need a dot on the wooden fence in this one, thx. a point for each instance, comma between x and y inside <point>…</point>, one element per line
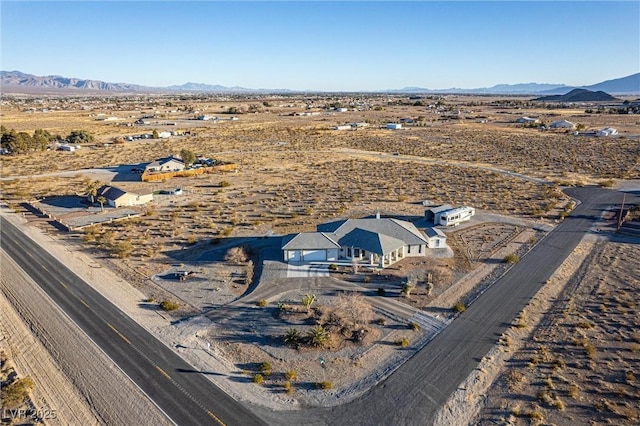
<point>154,177</point>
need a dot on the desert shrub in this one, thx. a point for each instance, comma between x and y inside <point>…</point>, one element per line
<point>333,267</point>
<point>258,378</point>
<point>381,291</point>
<point>261,303</point>
<point>511,258</point>
<point>414,326</point>
<point>366,279</point>
<point>287,387</point>
<point>291,337</point>
<point>585,324</point>
<point>381,321</point>
<point>265,368</point>
<point>168,305</point>
<point>16,393</point>
<point>224,184</point>
<point>236,255</point>
<point>402,342</point>
<point>325,385</point>
<point>573,391</point>
<point>290,375</point>
<point>459,307</point>
<point>317,336</point>
<point>123,249</point>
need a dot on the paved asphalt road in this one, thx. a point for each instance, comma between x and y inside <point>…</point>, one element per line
<point>187,398</point>
<point>410,396</point>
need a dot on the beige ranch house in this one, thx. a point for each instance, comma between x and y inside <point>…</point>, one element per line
<point>378,242</point>
<point>117,197</point>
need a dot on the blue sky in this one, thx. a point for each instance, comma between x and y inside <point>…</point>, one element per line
<point>342,46</point>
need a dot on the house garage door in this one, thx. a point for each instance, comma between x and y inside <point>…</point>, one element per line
<point>294,256</point>
<point>309,255</point>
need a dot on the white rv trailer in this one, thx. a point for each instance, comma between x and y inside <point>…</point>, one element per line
<point>456,216</point>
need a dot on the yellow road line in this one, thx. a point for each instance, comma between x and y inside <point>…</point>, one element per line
<point>164,373</point>
<point>214,417</point>
<point>85,303</point>
<point>118,333</point>
<point>62,284</point>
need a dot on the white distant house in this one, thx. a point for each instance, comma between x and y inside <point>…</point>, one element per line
<point>527,120</point>
<point>375,241</point>
<point>169,164</point>
<point>117,197</point>
<point>562,124</point>
<point>69,148</point>
<point>607,131</point>
<point>344,127</point>
<point>164,135</point>
<point>394,126</point>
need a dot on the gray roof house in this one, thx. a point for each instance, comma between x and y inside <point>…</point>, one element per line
<point>379,241</point>
<point>168,164</point>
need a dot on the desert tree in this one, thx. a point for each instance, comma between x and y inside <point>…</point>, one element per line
<point>355,307</point>
<point>188,157</point>
<point>80,136</point>
<point>308,300</point>
<point>101,200</point>
<point>92,189</point>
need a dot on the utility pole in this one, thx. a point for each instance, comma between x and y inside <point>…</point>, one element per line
<point>624,197</point>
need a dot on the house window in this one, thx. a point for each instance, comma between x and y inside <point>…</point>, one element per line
<point>349,252</point>
<point>437,243</point>
<point>356,252</point>
<point>409,250</point>
<point>420,249</point>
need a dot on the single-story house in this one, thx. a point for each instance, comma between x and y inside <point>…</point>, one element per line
<point>169,164</point>
<point>394,126</point>
<point>562,124</point>
<point>117,197</point>
<point>372,241</point>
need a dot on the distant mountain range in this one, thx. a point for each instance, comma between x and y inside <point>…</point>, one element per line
<point>626,85</point>
<point>16,81</point>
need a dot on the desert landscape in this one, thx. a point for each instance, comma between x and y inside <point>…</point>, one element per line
<point>205,262</point>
